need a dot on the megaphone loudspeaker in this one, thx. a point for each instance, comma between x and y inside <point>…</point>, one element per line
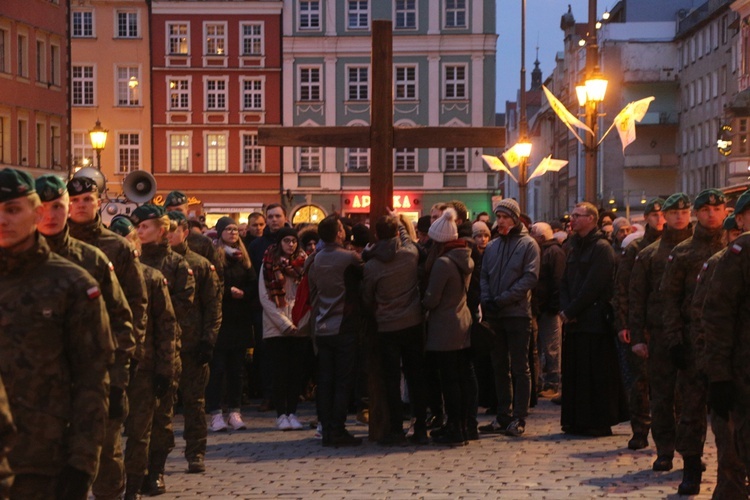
<point>139,186</point>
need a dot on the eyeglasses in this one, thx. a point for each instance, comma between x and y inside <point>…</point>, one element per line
<point>578,216</point>
<point>232,230</point>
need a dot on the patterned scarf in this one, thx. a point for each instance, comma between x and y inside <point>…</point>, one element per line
<point>276,269</point>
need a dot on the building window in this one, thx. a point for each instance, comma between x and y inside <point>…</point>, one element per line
<point>406,14</point>
<point>41,145</point>
<point>4,46</point>
<point>357,83</point>
<point>54,65</point>
<point>252,154</point>
<point>23,142</point>
<point>309,159</point>
<point>358,159</point>
<point>82,152</point>
<point>83,24</point>
<point>699,45</point>
<point>406,83</point>
<point>699,90</point>
<point>252,94</point>
<point>179,94</point>
<point>216,40</point>
<point>216,94</point>
<point>127,86</point>
<point>309,15</point>
<point>41,61</point>
<point>23,52</point>
<point>357,14</point>
<point>455,82</point>
<point>83,85</point>
<point>178,36</point>
<point>216,153</point>
<point>127,25</point>
<point>455,13</point>
<point>252,39</point>
<point>128,152</point>
<point>309,84</point>
<point>723,79</point>
<point>406,160</point>
<point>724,29</point>
<point>179,153</point>
<point>54,136</point>
<point>455,160</point>
<point>4,139</point>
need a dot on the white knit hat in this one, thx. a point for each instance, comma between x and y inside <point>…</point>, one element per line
<point>444,229</point>
<point>510,207</point>
<point>480,227</point>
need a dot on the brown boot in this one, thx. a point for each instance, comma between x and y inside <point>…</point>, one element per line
<point>133,487</point>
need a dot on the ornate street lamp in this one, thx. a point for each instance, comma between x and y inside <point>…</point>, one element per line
<point>98,136</point>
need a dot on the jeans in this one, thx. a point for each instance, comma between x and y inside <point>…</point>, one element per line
<point>227,363</point>
<point>510,357</point>
<point>550,339</point>
<point>287,355</point>
<point>459,385</point>
<point>337,360</point>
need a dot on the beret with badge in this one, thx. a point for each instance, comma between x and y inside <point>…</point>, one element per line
<point>121,225</point>
<point>50,187</point>
<point>178,217</point>
<point>729,223</point>
<point>15,184</point>
<point>709,197</point>
<point>743,202</point>
<point>81,185</point>
<point>175,198</point>
<point>653,205</point>
<point>678,201</point>
<point>146,211</point>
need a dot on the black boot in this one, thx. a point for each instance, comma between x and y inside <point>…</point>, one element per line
<point>154,483</point>
<point>691,476</point>
<point>452,435</point>
<point>133,486</point>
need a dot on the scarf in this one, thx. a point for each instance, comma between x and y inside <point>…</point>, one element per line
<point>232,252</point>
<point>275,271</point>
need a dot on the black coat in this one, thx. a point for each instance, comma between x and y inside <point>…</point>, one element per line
<point>546,296</point>
<point>236,324</point>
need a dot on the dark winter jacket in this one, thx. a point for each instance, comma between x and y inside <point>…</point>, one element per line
<point>546,296</point>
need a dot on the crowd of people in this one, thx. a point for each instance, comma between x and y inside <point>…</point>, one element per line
<point>104,330</point>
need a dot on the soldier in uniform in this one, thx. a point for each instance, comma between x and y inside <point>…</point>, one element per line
<point>56,346</point>
<point>110,479</point>
<point>198,342</point>
<point>155,371</point>
<point>731,477</point>
<point>638,401</point>
<point>645,304</point>
<point>152,226</point>
<point>177,201</point>
<point>677,287</point>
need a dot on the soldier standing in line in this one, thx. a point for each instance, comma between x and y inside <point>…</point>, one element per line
<point>638,401</point>
<point>677,287</point>
<point>56,346</point>
<point>645,320</point>
<point>197,343</point>
<point>152,225</point>
<point>110,479</point>
<point>155,371</point>
<point>731,477</point>
<point>177,201</point>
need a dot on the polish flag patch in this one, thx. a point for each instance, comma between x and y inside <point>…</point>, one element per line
<point>736,249</point>
<point>190,271</point>
<point>671,258</point>
<point>93,292</point>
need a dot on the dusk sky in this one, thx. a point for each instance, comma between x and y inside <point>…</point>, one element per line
<point>542,30</point>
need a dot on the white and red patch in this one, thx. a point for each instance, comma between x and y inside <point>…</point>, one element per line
<point>736,249</point>
<point>93,292</point>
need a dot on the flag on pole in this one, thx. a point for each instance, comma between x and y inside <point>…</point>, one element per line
<point>625,120</point>
<point>548,164</point>
<point>566,116</point>
<point>512,158</point>
<point>495,164</point>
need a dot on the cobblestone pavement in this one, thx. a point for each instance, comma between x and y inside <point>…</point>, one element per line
<point>262,462</point>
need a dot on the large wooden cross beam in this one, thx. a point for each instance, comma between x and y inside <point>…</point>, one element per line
<point>381,137</point>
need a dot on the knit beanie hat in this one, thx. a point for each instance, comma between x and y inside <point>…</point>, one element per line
<point>509,207</point>
<point>444,229</point>
<point>480,227</point>
<point>284,232</point>
<point>619,223</point>
<point>222,224</point>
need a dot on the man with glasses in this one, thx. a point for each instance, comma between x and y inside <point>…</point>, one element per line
<point>593,399</point>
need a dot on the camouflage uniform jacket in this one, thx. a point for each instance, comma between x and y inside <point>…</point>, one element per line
<point>162,328</point>
<point>726,319</point>
<point>203,246</point>
<point>98,265</point>
<point>644,299</point>
<point>180,282</point>
<point>205,315</point>
<point>697,332</point>
<point>7,438</point>
<point>56,347</point>
<point>123,257</point>
<point>622,276</point>
<point>679,281</point>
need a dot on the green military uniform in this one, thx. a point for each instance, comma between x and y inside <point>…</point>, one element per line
<point>197,347</point>
<point>56,347</point>
<point>645,320</point>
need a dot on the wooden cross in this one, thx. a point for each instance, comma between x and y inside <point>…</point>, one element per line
<point>382,136</point>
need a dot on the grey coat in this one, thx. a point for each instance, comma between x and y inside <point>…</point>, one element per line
<point>449,321</point>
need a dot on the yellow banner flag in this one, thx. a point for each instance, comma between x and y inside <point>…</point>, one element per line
<point>565,116</point>
<point>512,158</point>
<point>626,119</point>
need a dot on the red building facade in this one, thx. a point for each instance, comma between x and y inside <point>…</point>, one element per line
<point>216,77</point>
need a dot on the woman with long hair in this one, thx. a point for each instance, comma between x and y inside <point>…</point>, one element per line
<point>235,335</point>
<point>285,339</point>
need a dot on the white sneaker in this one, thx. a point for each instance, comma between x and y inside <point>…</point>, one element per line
<point>293,422</point>
<point>319,431</point>
<point>235,421</point>
<point>283,423</point>
<point>217,423</point>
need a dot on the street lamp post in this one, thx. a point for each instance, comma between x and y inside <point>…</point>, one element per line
<point>592,66</point>
<point>523,140</point>
<point>98,137</point>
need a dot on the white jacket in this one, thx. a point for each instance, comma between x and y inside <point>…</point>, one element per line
<point>278,320</point>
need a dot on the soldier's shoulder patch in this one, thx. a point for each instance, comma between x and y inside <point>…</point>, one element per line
<point>111,267</point>
<point>623,252</point>
<point>93,292</point>
<point>166,282</point>
<point>212,268</point>
<point>671,258</point>
<point>136,253</point>
<point>705,266</point>
<point>190,271</point>
<point>736,249</point>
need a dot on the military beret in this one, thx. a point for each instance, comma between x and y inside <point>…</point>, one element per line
<point>178,217</point>
<point>121,225</point>
<point>729,223</point>
<point>710,197</point>
<point>15,184</point>
<point>653,205</point>
<point>743,202</point>
<point>81,185</point>
<point>146,212</point>
<point>50,187</point>
<point>678,201</point>
<point>175,198</point>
